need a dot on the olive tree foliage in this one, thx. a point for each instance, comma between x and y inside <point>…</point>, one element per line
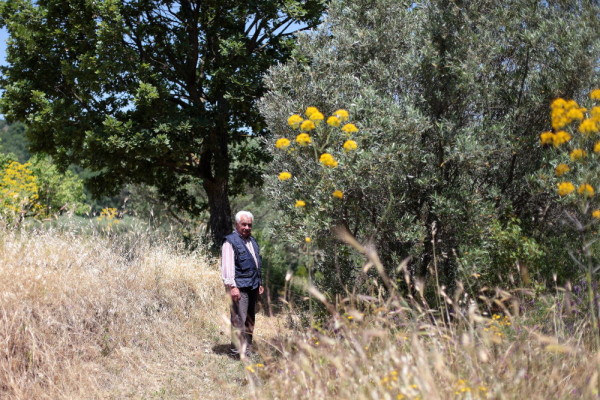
<point>147,91</point>
<point>449,98</point>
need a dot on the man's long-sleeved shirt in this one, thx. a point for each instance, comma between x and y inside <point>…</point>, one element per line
<point>228,261</point>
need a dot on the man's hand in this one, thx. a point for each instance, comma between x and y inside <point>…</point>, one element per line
<point>235,294</point>
<point>261,289</point>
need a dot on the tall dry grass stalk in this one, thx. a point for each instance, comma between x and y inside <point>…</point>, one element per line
<point>93,317</point>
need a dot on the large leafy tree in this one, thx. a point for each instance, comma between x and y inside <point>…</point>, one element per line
<point>156,92</point>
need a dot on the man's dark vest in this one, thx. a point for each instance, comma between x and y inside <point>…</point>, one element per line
<point>247,275</point>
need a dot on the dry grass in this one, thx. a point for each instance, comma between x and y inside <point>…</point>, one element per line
<point>391,349</point>
<point>92,317</point>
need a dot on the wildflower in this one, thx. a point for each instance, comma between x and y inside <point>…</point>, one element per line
<point>349,128</point>
<point>342,115</point>
<point>307,125</point>
<point>597,147</point>
<point>578,154</point>
<point>595,94</point>
<point>561,137</point>
<point>317,117</point>
<point>250,369</point>
<point>328,160</point>
<point>338,194</point>
<point>282,143</point>
<point>576,113</point>
<point>295,120</point>
<point>561,169</point>
<point>595,113</point>
<point>303,139</point>
<point>547,138</point>
<point>565,188</point>
<point>300,203</point>
<point>564,112</point>
<point>310,111</point>
<point>333,121</point>
<point>586,190</point>
<point>596,214</point>
<point>284,176</point>
<point>588,126</point>
<point>350,145</point>
<point>307,239</point>
<point>558,103</point>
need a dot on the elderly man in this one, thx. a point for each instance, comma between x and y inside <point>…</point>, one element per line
<point>240,267</point>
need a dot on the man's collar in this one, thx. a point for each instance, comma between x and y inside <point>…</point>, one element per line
<point>243,238</point>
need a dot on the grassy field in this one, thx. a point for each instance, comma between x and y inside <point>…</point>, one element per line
<point>101,317</point>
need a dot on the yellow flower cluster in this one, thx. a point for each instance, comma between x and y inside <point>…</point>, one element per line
<point>328,160</point>
<point>284,176</point>
<point>333,121</point>
<point>307,125</point>
<point>561,169</point>
<point>349,128</point>
<point>578,154</point>
<point>350,145</point>
<point>555,139</point>
<point>586,190</point>
<point>18,189</point>
<point>109,215</point>
<point>294,121</point>
<point>313,119</point>
<point>463,387</point>
<point>565,188</point>
<point>282,143</point>
<point>303,139</point>
<point>563,112</point>
<point>596,214</point>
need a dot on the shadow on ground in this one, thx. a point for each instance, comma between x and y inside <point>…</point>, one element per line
<point>225,350</point>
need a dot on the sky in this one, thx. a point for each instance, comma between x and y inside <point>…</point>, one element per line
<point>3,37</point>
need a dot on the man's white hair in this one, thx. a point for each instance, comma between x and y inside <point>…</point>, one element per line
<point>240,214</point>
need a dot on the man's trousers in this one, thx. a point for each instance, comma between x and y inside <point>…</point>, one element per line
<point>243,314</point>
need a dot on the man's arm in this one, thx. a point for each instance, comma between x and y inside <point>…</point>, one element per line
<point>228,271</point>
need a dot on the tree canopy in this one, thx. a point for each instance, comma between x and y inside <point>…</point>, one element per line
<point>155,92</point>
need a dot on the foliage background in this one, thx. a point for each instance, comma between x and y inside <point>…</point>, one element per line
<point>450,98</point>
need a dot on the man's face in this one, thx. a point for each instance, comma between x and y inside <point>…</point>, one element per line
<point>244,227</point>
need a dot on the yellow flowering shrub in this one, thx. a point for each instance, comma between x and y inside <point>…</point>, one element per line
<point>18,191</point>
<point>323,164</point>
<point>574,138</point>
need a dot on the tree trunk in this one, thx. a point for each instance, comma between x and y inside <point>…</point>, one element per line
<point>219,208</point>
